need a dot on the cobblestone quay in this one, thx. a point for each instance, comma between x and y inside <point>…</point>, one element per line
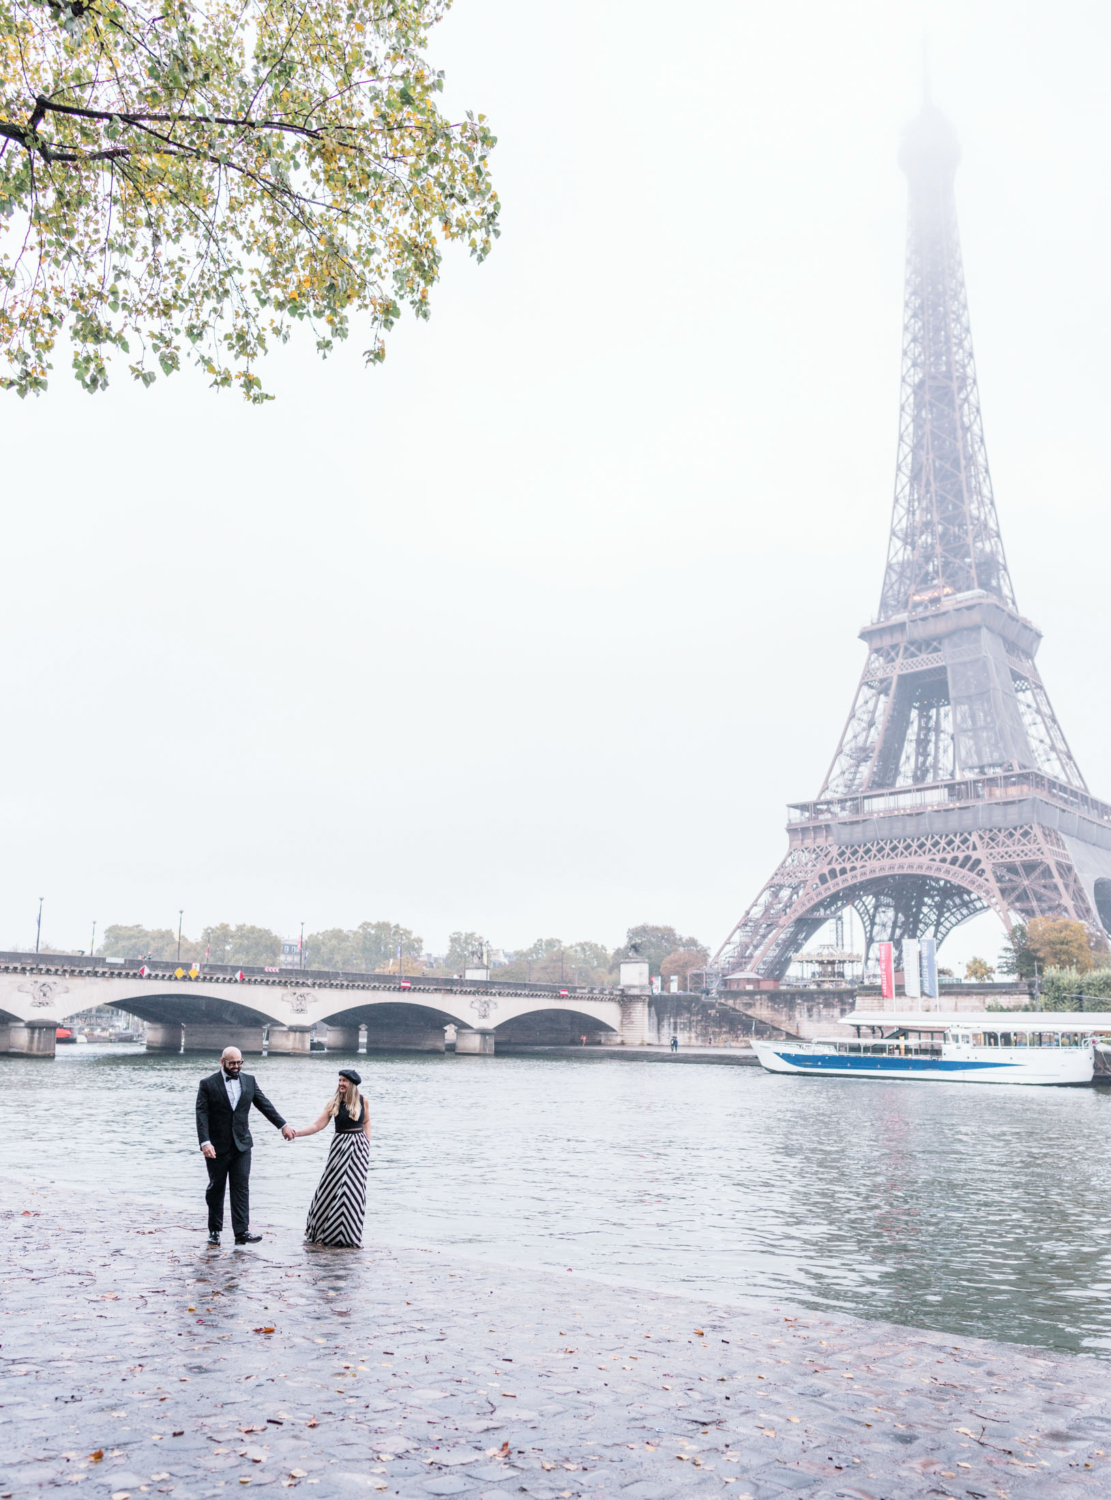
<point>137,1361</point>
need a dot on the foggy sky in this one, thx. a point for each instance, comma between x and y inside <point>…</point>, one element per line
<point>537,628</point>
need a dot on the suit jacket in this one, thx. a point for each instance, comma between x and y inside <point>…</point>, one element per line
<point>215,1120</point>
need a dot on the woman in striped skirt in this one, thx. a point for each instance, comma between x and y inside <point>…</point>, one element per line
<point>339,1203</point>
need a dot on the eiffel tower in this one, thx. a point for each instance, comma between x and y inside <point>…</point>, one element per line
<point>953,790</point>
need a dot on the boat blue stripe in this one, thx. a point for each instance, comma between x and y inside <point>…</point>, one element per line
<point>887,1064</point>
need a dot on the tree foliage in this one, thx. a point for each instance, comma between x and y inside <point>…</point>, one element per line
<point>979,969</point>
<point>465,950</point>
<point>160,943</point>
<point>1059,943</point>
<point>242,944</point>
<point>682,962</point>
<point>1060,987</point>
<point>655,943</point>
<point>369,948</point>
<point>552,961</point>
<point>122,941</point>
<point>198,176</point>
<point>1017,959</point>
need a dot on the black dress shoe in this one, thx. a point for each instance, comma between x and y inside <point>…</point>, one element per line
<point>213,1238</point>
<point>247,1239</point>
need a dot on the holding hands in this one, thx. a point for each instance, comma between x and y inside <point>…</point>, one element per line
<point>288,1133</point>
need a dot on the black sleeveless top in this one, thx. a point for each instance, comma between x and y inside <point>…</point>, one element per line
<point>345,1125</point>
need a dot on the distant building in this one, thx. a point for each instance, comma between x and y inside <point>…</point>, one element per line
<point>291,953</point>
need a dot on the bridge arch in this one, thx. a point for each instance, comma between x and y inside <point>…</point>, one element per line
<point>548,1026</point>
<point>392,1025</point>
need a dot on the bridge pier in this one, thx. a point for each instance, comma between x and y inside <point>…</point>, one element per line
<point>286,1041</point>
<point>163,1037</point>
<point>342,1039</point>
<point>635,1020</point>
<point>214,1038</point>
<point>472,1043</point>
<point>29,1040</point>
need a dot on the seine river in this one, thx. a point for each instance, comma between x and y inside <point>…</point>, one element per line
<point>973,1210</point>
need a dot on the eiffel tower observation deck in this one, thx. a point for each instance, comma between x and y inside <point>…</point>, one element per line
<point>953,789</point>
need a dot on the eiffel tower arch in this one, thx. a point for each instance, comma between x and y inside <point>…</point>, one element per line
<point>953,789</point>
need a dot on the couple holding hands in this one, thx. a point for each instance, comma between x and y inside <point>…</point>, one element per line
<point>224,1101</point>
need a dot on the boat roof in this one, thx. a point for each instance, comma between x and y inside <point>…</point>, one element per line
<point>983,1020</point>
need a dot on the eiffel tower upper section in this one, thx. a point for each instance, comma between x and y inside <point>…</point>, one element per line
<point>953,789</point>
<point>949,688</point>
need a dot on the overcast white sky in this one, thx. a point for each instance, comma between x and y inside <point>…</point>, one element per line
<point>538,628</point>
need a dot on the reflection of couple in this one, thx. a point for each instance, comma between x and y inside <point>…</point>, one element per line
<point>223,1128</point>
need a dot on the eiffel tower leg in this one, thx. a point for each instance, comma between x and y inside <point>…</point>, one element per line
<point>906,887</point>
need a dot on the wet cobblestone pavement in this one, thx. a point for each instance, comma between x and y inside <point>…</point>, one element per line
<point>135,1360</point>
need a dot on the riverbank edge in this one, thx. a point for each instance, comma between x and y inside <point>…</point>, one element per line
<point>757,1400</point>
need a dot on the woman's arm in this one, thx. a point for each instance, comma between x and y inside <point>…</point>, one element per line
<point>316,1125</point>
<point>366,1120</point>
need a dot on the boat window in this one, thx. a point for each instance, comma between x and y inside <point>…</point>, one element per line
<point>991,1038</point>
<point>977,1038</point>
<point>1021,1039</point>
<point>1006,1039</point>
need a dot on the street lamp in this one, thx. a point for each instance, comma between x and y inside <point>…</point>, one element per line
<point>301,946</point>
<point>38,927</point>
<point>92,940</point>
<point>180,915</point>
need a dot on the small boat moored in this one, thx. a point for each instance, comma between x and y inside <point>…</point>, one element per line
<point>1031,1047</point>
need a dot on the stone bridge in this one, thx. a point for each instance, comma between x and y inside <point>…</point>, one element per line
<point>215,1005</point>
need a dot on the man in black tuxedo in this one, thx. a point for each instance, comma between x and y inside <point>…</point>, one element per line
<point>223,1128</point>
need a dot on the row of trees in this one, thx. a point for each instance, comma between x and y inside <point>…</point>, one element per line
<point>381,947</point>
<point>372,946</point>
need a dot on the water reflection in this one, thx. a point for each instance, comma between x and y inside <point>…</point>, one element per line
<point>976,1210</point>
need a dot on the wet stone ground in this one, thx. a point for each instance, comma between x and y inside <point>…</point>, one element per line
<point>136,1361</point>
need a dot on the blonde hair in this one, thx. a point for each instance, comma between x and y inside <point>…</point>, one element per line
<point>354,1113</point>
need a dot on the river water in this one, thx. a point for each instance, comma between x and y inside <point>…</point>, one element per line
<point>969,1209</point>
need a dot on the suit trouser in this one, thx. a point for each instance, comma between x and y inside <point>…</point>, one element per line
<point>234,1168</point>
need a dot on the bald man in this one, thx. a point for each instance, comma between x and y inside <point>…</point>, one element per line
<point>224,1102</point>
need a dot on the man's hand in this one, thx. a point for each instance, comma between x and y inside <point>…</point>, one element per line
<point>288,1133</point>
<point>209,1150</point>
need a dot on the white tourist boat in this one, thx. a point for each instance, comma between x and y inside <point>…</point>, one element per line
<point>952,1047</point>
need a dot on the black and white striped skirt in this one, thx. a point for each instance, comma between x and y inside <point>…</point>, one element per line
<point>339,1203</point>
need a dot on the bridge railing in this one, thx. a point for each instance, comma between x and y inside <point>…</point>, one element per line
<point>97,966</point>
